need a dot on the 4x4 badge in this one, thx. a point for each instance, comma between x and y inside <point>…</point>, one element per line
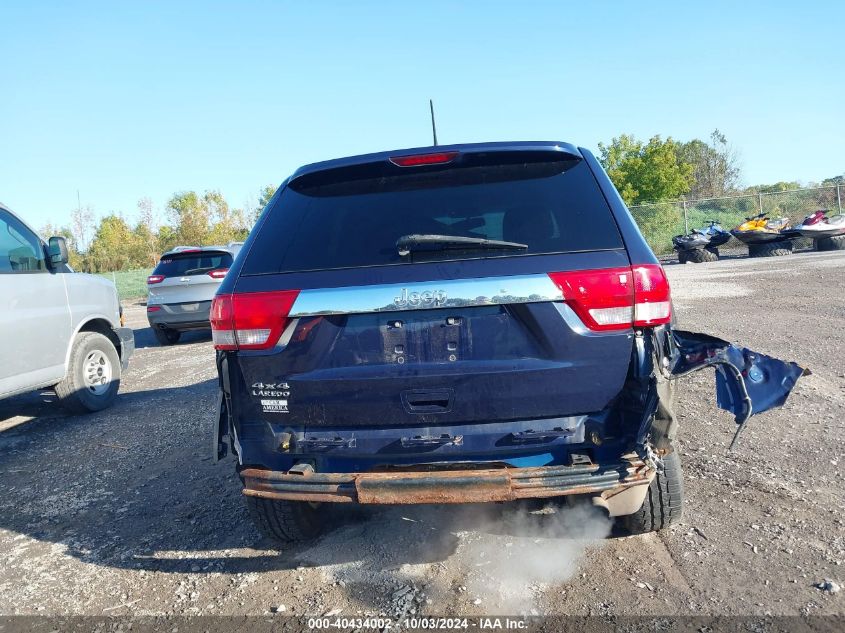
<point>416,299</point>
<point>279,389</point>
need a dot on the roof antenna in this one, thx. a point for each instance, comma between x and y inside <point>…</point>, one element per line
<point>433,127</point>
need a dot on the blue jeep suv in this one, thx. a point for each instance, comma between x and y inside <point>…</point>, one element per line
<point>451,324</point>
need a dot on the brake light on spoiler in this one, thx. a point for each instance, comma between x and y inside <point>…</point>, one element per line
<point>251,320</point>
<point>617,298</point>
<point>418,160</point>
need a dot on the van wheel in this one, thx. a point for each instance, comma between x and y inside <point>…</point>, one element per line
<point>285,521</point>
<point>166,337</point>
<point>93,374</point>
<point>770,249</point>
<point>663,504</point>
<point>835,243</point>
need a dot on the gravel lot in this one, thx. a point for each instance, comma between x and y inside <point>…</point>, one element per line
<point>123,512</point>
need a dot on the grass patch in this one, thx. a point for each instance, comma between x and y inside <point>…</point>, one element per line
<point>130,283</point>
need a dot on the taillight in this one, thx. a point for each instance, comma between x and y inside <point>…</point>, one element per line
<point>617,298</point>
<point>153,308</point>
<point>155,279</point>
<point>418,160</point>
<point>217,273</point>
<point>603,299</point>
<point>252,320</point>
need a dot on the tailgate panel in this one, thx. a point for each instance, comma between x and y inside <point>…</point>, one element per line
<point>445,366</point>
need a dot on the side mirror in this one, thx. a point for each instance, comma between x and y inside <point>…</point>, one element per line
<point>57,250</point>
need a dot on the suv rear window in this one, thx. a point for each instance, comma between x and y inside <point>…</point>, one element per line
<point>187,264</point>
<point>352,217</point>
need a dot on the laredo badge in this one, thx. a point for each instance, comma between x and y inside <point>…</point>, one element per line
<point>274,406</point>
<point>271,389</point>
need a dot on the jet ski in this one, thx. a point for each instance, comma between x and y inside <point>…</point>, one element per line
<point>693,241</point>
<point>712,236</point>
<point>818,225</point>
<point>700,245</point>
<point>718,235</point>
<point>761,229</point>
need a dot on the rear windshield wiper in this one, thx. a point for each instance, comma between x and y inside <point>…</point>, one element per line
<point>417,242</point>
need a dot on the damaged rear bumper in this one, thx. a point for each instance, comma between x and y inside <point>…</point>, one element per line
<point>620,487</point>
<point>747,382</point>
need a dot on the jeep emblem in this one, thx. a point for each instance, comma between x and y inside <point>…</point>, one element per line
<point>426,298</point>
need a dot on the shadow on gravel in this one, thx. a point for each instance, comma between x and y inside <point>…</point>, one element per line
<point>144,338</point>
<point>134,487</point>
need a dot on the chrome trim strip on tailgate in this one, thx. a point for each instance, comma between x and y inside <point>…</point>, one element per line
<point>426,295</point>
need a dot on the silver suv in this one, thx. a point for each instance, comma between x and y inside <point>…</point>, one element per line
<point>182,286</point>
<point>58,329</point>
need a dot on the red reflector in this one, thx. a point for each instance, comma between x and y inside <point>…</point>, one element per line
<point>218,273</point>
<point>417,160</point>
<point>153,308</point>
<point>253,320</point>
<point>155,279</point>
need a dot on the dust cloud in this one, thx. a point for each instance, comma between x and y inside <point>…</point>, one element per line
<point>514,556</point>
<point>496,559</point>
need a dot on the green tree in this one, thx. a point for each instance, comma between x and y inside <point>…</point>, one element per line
<point>774,188</point>
<point>112,245</point>
<point>144,247</point>
<point>715,166</point>
<point>167,238</point>
<point>202,220</point>
<point>650,172</point>
<point>190,218</point>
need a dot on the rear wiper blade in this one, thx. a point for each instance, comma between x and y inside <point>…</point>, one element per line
<point>417,242</point>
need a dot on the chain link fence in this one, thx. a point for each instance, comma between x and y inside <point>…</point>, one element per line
<point>661,221</point>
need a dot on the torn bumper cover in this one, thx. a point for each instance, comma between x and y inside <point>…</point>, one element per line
<point>747,382</point>
<point>620,487</point>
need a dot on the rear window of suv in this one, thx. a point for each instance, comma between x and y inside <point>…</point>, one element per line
<point>192,263</point>
<point>353,216</point>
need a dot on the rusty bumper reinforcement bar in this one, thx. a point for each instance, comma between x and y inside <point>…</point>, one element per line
<point>613,485</point>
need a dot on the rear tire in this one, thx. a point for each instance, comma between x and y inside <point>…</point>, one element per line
<point>663,504</point>
<point>701,255</point>
<point>166,337</point>
<point>770,249</point>
<point>682,257</point>
<point>835,243</point>
<point>93,374</point>
<point>285,521</point>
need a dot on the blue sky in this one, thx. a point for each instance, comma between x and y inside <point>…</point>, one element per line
<point>121,101</point>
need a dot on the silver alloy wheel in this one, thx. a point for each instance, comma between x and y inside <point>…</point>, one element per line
<point>97,372</point>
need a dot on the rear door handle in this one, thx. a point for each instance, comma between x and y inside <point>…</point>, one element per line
<point>428,400</point>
